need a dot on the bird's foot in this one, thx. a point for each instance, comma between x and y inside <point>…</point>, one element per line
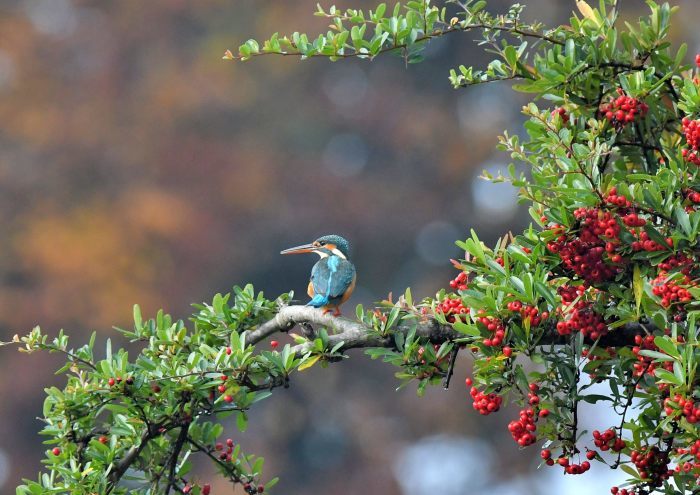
<point>336,311</point>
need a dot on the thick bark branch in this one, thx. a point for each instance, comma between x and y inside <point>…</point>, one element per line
<point>129,458</point>
<point>354,334</point>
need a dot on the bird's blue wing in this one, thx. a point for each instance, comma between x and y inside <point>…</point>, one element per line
<point>342,279</point>
<point>330,277</point>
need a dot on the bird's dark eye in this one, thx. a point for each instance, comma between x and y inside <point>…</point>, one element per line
<point>322,243</point>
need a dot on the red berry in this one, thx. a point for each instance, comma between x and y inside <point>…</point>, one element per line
<point>102,439</point>
<point>229,442</point>
<point>274,344</point>
<point>544,413</point>
<point>228,351</point>
<point>206,489</point>
<point>484,403</point>
<point>56,451</point>
<point>507,351</point>
<point>111,382</point>
<point>468,381</point>
<point>261,488</point>
<point>228,398</point>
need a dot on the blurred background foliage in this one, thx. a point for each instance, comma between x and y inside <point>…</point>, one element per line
<point>137,166</point>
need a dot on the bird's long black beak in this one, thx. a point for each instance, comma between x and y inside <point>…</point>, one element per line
<point>305,248</point>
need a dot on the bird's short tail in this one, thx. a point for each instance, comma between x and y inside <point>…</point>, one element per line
<point>318,301</point>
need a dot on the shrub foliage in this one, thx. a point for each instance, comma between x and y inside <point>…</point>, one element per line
<point>600,289</point>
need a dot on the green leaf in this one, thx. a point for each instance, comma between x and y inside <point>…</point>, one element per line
<point>309,362</point>
<point>665,344</point>
<point>683,220</point>
<point>462,327</point>
<point>241,421</point>
<point>548,295</point>
<point>668,377</point>
<point>638,286</point>
<point>138,320</point>
<point>656,355</point>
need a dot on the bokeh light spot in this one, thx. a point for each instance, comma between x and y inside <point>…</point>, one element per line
<point>345,155</point>
<point>435,242</point>
<point>499,200</point>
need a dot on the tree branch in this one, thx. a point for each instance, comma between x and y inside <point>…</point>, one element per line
<point>131,455</point>
<point>354,334</point>
<point>435,33</point>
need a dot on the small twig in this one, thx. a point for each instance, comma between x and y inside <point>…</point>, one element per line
<point>176,455</point>
<point>436,33</point>
<point>450,367</point>
<point>630,397</point>
<point>67,353</point>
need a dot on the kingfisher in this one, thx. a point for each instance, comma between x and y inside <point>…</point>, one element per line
<point>333,276</point>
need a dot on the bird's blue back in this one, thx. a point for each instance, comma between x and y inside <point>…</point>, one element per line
<point>331,276</point>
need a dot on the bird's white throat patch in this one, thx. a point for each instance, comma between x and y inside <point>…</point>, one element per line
<point>336,252</point>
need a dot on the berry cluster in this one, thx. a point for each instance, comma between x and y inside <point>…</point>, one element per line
<point>460,281</point>
<point>608,440</point>
<point>596,253</point>
<point>652,465</point>
<point>451,306</point>
<point>645,363</point>
<point>527,311</point>
<point>679,262</point>
<point>485,403</point>
<point>691,129</point>
<point>206,489</point>
<point>532,397</point>
<point>565,462</point>
<point>497,329</point>
<point>222,388</point>
<point>692,196</point>
<point>671,291</point>
<point>644,243</point>
<point>688,408</point>
<point>523,430</point>
<point>621,491</point>
<point>693,463</point>
<point>583,255</point>
<point>585,320</point>
<point>116,381</point>
<point>624,109</point>
<point>224,451</point>
<point>570,468</point>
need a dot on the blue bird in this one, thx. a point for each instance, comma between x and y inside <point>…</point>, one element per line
<point>333,276</point>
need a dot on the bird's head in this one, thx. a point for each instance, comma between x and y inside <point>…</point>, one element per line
<point>326,245</point>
